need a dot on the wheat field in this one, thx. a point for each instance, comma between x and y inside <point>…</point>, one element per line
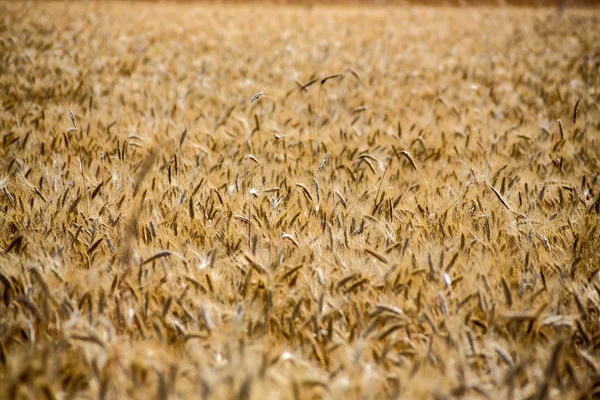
<point>291,202</point>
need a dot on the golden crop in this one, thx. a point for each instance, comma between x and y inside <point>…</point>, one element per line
<point>408,207</point>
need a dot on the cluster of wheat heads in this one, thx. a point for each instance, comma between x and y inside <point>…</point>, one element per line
<point>409,209</point>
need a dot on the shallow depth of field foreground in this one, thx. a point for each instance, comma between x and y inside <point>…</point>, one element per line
<point>408,208</point>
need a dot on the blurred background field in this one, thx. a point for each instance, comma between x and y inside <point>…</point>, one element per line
<point>560,4</point>
<point>442,3</point>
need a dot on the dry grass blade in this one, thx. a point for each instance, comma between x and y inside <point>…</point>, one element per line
<point>183,136</point>
<point>376,255</point>
<point>499,196</point>
<point>258,94</point>
<point>290,238</point>
<point>409,158</point>
<point>323,162</point>
<point>560,128</point>
<point>375,201</point>
<point>305,190</point>
<point>91,338</point>
<point>74,205</point>
<point>306,85</point>
<point>330,77</point>
<point>255,264</point>
<point>160,254</point>
<point>73,120</point>
<point>251,158</point>
<point>507,293</point>
<point>504,356</point>
<point>391,309</point>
